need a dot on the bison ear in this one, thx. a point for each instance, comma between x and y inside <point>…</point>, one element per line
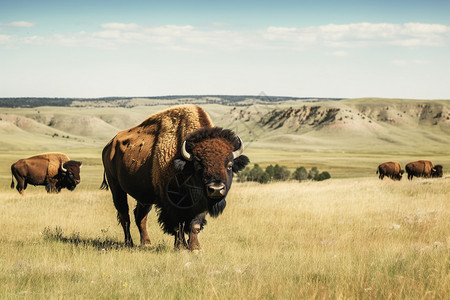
<point>179,164</point>
<point>240,163</point>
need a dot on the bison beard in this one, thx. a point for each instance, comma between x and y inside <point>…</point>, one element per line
<point>184,191</point>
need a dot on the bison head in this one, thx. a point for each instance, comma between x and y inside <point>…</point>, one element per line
<point>399,175</point>
<point>213,155</point>
<point>69,175</point>
<point>437,171</point>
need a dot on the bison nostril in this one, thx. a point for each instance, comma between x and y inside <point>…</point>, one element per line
<point>216,190</point>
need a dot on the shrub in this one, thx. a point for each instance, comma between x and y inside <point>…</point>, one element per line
<point>323,176</point>
<point>279,173</point>
<point>313,173</point>
<point>300,174</point>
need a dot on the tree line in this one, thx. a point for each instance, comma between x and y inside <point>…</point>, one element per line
<point>280,173</point>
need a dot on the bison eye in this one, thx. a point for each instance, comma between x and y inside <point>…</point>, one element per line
<point>230,165</point>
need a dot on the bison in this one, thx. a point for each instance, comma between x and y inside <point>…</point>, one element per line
<point>53,170</point>
<point>423,168</point>
<point>179,162</point>
<point>391,169</point>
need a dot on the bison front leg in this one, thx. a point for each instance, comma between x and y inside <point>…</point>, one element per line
<point>50,187</point>
<point>180,241</point>
<point>195,227</point>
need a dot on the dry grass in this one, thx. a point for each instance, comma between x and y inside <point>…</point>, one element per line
<point>348,238</point>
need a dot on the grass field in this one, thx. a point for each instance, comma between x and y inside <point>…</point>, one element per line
<point>342,238</point>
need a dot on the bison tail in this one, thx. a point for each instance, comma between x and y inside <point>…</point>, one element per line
<point>104,185</point>
<point>12,183</point>
<point>377,171</point>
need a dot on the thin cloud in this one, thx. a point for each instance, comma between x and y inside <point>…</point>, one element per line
<point>190,38</point>
<point>405,63</point>
<point>364,34</point>
<point>121,26</point>
<point>338,53</point>
<point>4,39</point>
<point>20,24</point>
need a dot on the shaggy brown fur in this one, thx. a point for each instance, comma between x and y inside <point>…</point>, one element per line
<point>161,135</point>
<point>392,169</point>
<point>43,169</point>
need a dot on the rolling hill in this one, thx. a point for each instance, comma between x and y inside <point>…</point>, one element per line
<point>302,124</point>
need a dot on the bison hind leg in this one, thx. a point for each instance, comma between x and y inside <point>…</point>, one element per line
<point>20,190</point>
<point>140,215</point>
<point>121,205</point>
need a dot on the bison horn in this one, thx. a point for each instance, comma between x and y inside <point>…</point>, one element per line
<point>186,155</point>
<point>63,169</point>
<point>239,151</point>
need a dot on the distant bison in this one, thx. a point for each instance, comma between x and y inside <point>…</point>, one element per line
<point>391,169</point>
<point>177,161</point>
<point>53,170</point>
<point>423,168</point>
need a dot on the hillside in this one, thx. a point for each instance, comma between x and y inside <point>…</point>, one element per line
<point>291,123</point>
<point>360,124</point>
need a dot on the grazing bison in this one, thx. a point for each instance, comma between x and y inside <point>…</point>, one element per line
<point>420,168</point>
<point>177,161</point>
<point>391,169</point>
<point>54,170</point>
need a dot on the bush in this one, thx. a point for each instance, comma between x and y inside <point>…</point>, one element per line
<point>313,173</point>
<point>323,176</point>
<point>279,173</point>
<point>300,174</point>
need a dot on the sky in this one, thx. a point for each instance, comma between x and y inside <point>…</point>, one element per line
<point>142,48</point>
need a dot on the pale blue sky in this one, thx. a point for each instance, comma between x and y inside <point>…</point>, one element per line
<point>388,48</point>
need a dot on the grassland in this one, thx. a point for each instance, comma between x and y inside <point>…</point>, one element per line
<point>342,238</point>
<point>351,237</point>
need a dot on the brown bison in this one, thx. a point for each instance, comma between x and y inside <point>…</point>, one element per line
<point>423,168</point>
<point>53,170</point>
<point>177,161</point>
<point>391,169</point>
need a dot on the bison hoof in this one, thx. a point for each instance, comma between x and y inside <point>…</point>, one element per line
<point>195,245</point>
<point>180,246</point>
<point>145,243</point>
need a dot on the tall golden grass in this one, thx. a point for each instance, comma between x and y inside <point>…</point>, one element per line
<point>341,238</point>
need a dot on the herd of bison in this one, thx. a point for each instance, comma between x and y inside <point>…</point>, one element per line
<point>420,168</point>
<point>177,161</point>
<point>56,171</point>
